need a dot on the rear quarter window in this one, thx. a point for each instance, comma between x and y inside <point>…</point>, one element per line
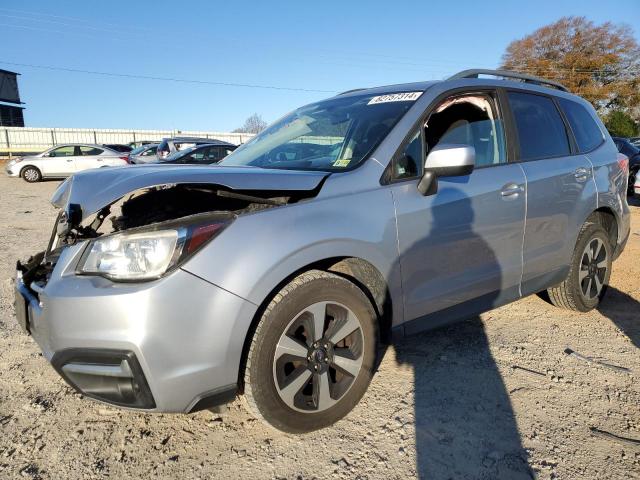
<point>541,131</point>
<point>585,130</point>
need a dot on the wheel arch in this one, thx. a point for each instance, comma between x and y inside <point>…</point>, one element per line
<point>30,165</point>
<point>607,217</point>
<point>362,273</point>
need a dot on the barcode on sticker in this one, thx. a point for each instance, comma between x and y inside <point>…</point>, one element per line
<point>395,97</point>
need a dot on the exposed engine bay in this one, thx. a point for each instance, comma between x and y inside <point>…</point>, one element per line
<point>150,207</point>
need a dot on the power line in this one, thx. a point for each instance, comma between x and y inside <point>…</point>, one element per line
<point>396,60</point>
<point>167,79</point>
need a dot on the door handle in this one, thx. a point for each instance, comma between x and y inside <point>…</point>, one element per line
<point>581,174</point>
<point>511,190</point>
<point>69,159</point>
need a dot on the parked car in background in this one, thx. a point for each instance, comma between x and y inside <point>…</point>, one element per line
<point>633,154</point>
<point>144,154</point>
<point>118,147</point>
<point>64,160</point>
<point>635,141</point>
<point>200,155</point>
<point>277,276</point>
<point>171,145</point>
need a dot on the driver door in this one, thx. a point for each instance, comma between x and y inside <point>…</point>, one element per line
<point>460,248</point>
<point>60,162</point>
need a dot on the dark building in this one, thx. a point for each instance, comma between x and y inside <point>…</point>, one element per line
<point>10,111</point>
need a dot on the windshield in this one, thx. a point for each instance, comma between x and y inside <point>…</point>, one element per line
<point>331,135</point>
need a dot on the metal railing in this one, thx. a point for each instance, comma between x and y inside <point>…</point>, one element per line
<point>22,140</point>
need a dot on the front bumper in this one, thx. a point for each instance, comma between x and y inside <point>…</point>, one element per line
<point>13,170</point>
<point>185,334</point>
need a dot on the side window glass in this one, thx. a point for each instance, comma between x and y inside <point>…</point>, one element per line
<point>470,119</point>
<point>68,151</point>
<point>585,129</point>
<point>89,151</point>
<point>410,162</point>
<point>541,131</point>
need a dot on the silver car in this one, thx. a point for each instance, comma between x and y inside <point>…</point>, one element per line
<point>144,154</point>
<point>352,221</point>
<point>64,160</point>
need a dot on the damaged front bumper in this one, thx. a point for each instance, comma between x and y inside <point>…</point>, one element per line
<point>170,345</point>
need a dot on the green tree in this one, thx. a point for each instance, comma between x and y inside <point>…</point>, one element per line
<point>620,124</point>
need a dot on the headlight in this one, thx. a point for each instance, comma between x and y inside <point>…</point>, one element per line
<point>146,255</point>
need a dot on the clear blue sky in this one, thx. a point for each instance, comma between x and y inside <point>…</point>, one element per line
<point>327,45</point>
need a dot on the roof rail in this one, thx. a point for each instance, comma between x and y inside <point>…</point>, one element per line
<point>350,91</point>
<point>476,72</point>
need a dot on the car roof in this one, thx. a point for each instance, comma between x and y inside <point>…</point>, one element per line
<point>78,145</point>
<point>208,141</point>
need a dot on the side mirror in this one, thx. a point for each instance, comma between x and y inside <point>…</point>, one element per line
<point>447,160</point>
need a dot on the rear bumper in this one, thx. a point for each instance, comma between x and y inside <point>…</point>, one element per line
<point>182,336</point>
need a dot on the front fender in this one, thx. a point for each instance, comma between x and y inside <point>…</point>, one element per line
<point>261,250</point>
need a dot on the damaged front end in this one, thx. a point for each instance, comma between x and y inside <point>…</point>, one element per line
<point>151,219</point>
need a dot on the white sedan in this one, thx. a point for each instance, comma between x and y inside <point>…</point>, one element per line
<point>63,161</point>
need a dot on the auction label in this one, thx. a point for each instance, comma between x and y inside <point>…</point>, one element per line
<point>395,97</point>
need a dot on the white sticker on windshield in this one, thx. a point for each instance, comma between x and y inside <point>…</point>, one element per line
<point>395,97</point>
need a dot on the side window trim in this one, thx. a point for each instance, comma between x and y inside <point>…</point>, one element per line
<point>573,144</point>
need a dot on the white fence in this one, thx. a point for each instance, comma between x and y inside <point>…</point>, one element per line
<point>20,140</point>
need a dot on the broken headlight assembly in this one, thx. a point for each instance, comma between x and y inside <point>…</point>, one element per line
<point>149,253</point>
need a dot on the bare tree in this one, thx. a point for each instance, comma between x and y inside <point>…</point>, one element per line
<point>598,62</point>
<point>253,124</point>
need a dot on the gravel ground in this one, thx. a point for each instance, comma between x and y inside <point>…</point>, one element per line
<point>493,397</point>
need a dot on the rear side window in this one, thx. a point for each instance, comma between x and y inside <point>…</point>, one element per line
<point>541,131</point>
<point>88,151</point>
<point>587,133</point>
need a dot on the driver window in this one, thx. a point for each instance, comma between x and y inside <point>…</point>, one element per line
<point>470,119</point>
<point>68,151</point>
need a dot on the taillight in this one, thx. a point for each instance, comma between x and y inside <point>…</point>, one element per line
<point>125,158</point>
<point>623,162</point>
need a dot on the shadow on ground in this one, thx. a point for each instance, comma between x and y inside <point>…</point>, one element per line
<point>624,311</point>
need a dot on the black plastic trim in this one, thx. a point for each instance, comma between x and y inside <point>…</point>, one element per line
<point>104,356</point>
<point>213,398</point>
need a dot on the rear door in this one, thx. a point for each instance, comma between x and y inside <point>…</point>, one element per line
<point>560,188</point>
<point>90,157</point>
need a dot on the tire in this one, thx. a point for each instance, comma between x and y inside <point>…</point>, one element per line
<point>586,283</point>
<point>286,384</point>
<point>633,174</point>
<point>31,174</point>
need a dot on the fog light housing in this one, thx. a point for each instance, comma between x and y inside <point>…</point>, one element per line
<point>111,376</point>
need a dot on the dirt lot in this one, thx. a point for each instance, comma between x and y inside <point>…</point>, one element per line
<point>493,397</point>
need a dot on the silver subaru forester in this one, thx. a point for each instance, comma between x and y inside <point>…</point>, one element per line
<point>348,223</point>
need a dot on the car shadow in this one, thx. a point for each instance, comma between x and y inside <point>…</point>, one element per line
<point>624,311</point>
<point>465,425</point>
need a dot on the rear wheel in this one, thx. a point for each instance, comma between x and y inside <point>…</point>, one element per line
<point>313,353</point>
<point>633,174</point>
<point>31,174</point>
<point>589,272</point>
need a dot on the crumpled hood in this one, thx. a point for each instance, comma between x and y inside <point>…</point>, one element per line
<point>94,189</point>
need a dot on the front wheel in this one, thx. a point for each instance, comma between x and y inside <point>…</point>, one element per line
<point>31,174</point>
<point>589,271</point>
<point>313,353</point>
<point>633,174</point>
